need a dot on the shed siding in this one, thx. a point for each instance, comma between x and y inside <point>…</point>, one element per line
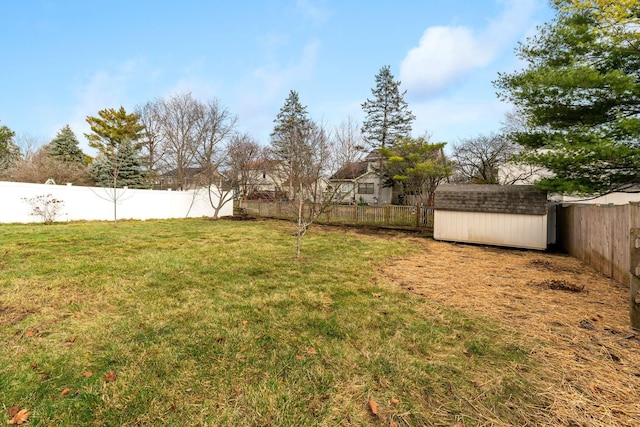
<point>500,229</point>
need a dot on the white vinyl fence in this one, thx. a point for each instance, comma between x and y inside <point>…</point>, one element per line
<point>96,203</point>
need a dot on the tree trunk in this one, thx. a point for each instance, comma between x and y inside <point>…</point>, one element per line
<point>299,234</point>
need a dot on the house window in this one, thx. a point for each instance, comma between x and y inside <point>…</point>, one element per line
<point>365,188</point>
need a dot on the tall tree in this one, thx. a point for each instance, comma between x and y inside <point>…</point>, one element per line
<point>111,128</point>
<point>244,154</point>
<point>580,94</point>
<point>290,141</point>
<point>349,144</point>
<point>180,122</point>
<point>9,151</point>
<point>65,147</point>
<point>215,131</point>
<point>151,153</point>
<point>387,115</point>
<point>477,160</point>
<point>418,165</point>
<point>113,134</point>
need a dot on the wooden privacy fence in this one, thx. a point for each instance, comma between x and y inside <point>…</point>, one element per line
<point>599,235</point>
<point>382,216</point>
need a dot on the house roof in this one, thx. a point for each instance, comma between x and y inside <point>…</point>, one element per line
<point>511,199</point>
<point>373,155</point>
<point>351,170</point>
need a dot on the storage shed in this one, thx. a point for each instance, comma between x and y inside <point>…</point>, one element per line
<point>502,215</point>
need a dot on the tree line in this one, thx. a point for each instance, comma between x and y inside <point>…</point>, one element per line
<point>181,142</point>
<point>577,117</point>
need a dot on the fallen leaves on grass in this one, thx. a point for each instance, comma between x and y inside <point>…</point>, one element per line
<point>18,416</point>
<point>109,377</point>
<point>87,374</point>
<point>65,391</point>
<point>29,333</point>
<point>394,401</point>
<point>373,406</point>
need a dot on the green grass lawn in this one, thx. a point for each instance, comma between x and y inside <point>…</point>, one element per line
<point>215,323</point>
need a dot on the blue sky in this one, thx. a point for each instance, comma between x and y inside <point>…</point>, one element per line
<point>62,60</point>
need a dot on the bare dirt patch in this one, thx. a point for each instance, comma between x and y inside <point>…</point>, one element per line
<point>575,319</point>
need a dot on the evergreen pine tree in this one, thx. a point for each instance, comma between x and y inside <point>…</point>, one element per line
<point>65,147</point>
<point>580,94</point>
<point>387,115</point>
<point>9,151</point>
<point>292,126</point>
<point>290,141</point>
<point>125,166</point>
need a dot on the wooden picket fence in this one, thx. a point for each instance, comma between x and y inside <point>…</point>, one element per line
<point>391,216</point>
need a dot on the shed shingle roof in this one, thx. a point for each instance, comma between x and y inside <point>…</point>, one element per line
<point>511,199</point>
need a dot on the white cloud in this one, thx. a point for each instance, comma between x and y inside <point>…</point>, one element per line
<point>443,55</point>
<point>447,53</point>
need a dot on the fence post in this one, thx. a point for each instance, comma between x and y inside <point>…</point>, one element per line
<point>634,294</point>
<point>418,209</point>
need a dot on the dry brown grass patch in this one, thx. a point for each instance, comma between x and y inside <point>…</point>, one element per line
<point>589,356</point>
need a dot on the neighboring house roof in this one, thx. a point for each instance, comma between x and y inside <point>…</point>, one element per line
<point>353,170</point>
<point>263,164</point>
<point>350,170</point>
<point>372,156</point>
<point>511,199</point>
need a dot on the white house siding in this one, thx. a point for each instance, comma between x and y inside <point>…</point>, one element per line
<point>94,203</point>
<point>500,229</point>
<point>618,198</point>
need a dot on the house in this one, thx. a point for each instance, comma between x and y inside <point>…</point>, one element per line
<point>262,179</point>
<point>359,182</point>
<point>170,179</point>
<point>193,177</point>
<point>271,180</point>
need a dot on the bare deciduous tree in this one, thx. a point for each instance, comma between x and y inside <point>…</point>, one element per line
<point>151,140</point>
<point>215,131</point>
<point>240,167</point>
<point>478,159</point>
<point>38,166</point>
<point>178,119</point>
<point>348,140</point>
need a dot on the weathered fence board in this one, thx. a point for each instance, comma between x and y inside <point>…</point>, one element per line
<point>599,236</point>
<point>383,216</point>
